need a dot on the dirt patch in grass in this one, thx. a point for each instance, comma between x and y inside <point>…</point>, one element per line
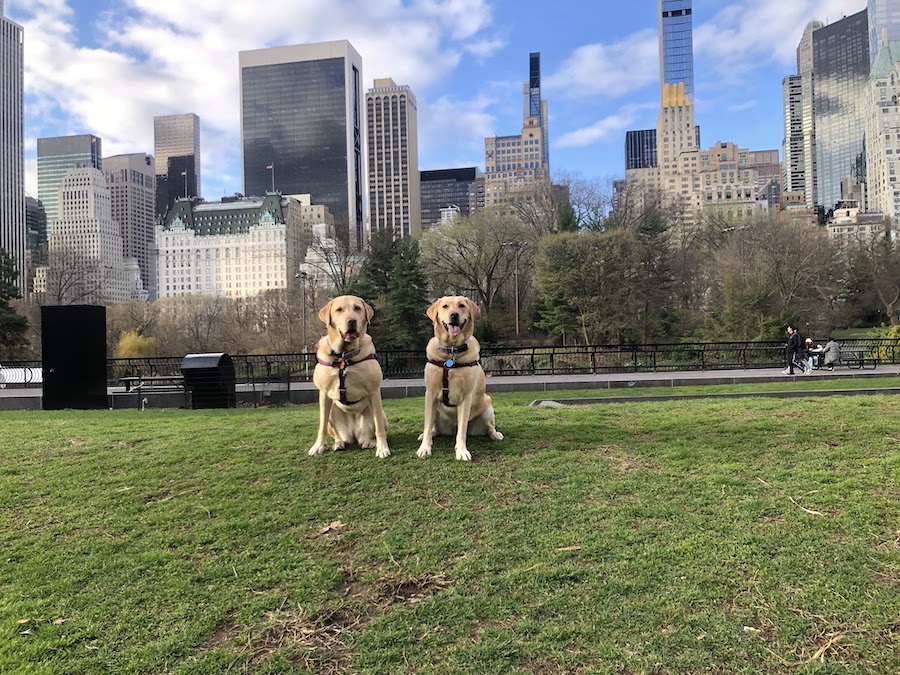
<point>622,461</point>
<point>320,642</point>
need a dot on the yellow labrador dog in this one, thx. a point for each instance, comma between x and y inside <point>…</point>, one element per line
<point>349,380</point>
<point>455,398</point>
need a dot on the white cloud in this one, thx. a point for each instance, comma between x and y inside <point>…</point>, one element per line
<point>612,70</point>
<point>611,127</point>
<point>743,34</point>
<point>156,58</point>
<point>442,123</point>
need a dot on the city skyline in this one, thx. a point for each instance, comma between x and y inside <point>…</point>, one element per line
<point>98,67</point>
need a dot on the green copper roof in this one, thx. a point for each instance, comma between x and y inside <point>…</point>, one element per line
<point>219,218</point>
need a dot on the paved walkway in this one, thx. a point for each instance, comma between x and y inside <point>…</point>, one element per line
<point>304,392</point>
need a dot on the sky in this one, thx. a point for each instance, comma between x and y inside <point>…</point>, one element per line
<point>108,67</point>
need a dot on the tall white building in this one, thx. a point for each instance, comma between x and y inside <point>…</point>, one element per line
<point>13,232</point>
<point>131,180</point>
<point>86,264</point>
<point>882,107</point>
<point>394,179</point>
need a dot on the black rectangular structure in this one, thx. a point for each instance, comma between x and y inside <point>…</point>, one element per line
<point>73,348</point>
<point>209,381</point>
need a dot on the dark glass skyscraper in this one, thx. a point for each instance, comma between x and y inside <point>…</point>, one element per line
<point>640,149</point>
<point>676,53</point>
<point>301,131</point>
<point>840,54</point>
<point>448,188</point>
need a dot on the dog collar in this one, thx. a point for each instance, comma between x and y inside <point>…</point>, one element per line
<point>454,349</point>
<point>344,356</point>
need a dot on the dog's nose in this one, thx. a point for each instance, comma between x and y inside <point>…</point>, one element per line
<point>351,324</point>
<point>454,316</point>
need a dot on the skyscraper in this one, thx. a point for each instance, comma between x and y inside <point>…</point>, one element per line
<point>840,74</point>
<point>519,163</point>
<point>55,156</point>
<point>676,66</point>
<point>676,45</point>
<point>393,147</point>
<point>301,128</point>
<point>446,188</point>
<point>883,14</point>
<point>12,163</point>
<point>176,140</point>
<point>131,182</point>
<point>792,146</point>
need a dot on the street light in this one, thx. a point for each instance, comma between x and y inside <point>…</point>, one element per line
<point>303,276</point>
<point>518,246</point>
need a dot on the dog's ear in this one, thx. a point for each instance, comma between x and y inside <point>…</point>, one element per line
<point>473,308</point>
<point>325,313</point>
<point>432,311</point>
<point>370,312</point>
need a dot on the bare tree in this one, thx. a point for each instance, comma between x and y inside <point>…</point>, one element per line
<point>73,279</point>
<point>468,255</point>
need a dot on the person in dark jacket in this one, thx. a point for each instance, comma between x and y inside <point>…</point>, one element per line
<point>792,353</point>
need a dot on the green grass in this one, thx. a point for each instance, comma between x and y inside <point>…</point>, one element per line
<point>723,536</point>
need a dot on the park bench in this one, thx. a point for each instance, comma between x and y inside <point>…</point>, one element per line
<point>155,382</point>
<point>858,359</point>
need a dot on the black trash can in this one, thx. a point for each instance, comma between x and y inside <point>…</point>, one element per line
<point>208,381</point>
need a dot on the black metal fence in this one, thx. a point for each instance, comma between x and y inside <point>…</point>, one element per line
<point>282,369</point>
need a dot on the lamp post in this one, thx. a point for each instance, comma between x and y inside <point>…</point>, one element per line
<point>518,246</point>
<point>303,276</point>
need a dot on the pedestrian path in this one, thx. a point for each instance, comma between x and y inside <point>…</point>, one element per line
<point>305,392</point>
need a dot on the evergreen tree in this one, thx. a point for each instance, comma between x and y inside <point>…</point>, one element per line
<point>404,324</point>
<point>13,325</point>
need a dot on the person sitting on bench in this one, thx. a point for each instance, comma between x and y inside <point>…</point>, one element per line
<point>831,355</point>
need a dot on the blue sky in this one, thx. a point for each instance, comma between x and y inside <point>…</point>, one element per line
<point>108,67</point>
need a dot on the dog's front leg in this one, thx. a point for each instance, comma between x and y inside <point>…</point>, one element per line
<point>462,428</point>
<point>325,404</point>
<point>376,406</point>
<point>427,436</point>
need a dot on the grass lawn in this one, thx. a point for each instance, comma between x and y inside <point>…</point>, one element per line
<point>720,536</point>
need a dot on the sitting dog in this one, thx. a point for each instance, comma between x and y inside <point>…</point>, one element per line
<point>348,377</point>
<point>455,398</point>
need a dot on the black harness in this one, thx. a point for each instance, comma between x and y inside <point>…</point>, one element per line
<point>445,366</point>
<point>343,362</point>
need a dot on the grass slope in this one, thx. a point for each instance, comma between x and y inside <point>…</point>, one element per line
<point>743,536</point>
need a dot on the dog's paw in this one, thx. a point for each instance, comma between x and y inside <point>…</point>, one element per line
<point>463,455</point>
<point>381,453</point>
<point>338,445</point>
<point>496,435</point>
<point>316,450</point>
<point>368,444</point>
<point>423,452</point>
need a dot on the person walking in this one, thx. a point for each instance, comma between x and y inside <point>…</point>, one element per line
<point>792,352</point>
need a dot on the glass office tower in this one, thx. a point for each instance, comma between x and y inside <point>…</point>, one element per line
<point>301,128</point>
<point>883,14</point>
<point>55,156</point>
<point>840,54</point>
<point>13,232</point>
<point>176,142</point>
<point>676,52</point>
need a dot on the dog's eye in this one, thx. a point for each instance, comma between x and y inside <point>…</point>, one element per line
<point>357,308</point>
<point>444,306</point>
<point>339,310</point>
<point>462,306</point>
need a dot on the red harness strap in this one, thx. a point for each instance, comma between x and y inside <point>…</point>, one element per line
<point>445,376</point>
<point>342,364</point>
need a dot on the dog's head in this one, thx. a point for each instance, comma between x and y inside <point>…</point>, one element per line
<point>346,317</point>
<point>454,318</point>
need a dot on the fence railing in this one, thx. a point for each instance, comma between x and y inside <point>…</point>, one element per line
<point>282,369</point>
